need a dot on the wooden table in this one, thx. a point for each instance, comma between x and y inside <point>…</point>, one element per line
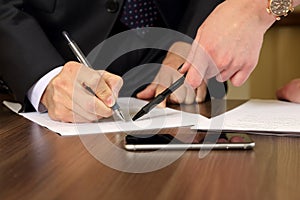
<point>36,163</point>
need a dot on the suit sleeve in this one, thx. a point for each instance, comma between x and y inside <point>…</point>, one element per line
<point>26,54</point>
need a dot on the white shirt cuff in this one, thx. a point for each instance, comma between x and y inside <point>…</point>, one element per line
<point>36,91</point>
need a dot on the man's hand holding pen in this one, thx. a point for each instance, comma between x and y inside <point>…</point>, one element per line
<point>67,100</point>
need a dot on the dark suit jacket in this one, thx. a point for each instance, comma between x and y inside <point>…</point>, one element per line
<point>30,32</point>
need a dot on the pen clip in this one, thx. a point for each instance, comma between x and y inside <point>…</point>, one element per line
<point>76,50</point>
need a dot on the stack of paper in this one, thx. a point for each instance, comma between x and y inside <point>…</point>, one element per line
<point>259,116</point>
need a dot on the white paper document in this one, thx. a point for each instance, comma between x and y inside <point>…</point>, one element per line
<point>157,118</point>
<point>257,115</point>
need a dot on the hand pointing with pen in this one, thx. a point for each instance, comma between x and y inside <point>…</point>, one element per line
<point>67,100</point>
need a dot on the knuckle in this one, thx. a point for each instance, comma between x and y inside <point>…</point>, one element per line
<point>194,83</point>
<point>59,83</point>
<point>103,92</point>
<point>120,81</point>
<point>56,82</point>
<point>223,63</point>
<point>55,98</point>
<point>57,115</point>
<point>70,66</point>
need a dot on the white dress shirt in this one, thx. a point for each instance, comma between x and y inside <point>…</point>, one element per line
<point>36,91</point>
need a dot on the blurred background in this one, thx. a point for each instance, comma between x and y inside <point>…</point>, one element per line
<point>279,61</point>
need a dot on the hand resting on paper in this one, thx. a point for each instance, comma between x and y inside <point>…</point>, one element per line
<point>168,74</point>
<point>68,101</point>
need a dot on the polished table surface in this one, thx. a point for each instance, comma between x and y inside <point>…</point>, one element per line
<point>36,163</point>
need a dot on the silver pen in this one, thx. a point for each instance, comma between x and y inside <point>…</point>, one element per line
<point>80,56</point>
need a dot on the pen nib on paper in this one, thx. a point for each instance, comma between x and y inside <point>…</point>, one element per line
<point>118,112</point>
<point>120,115</point>
<point>138,115</point>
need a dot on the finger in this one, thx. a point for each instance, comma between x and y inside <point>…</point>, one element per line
<point>148,93</point>
<point>286,92</point>
<point>193,77</point>
<point>90,103</point>
<point>77,118</point>
<point>189,96</point>
<point>225,75</point>
<point>200,62</point>
<point>104,93</point>
<point>178,96</point>
<point>63,114</point>
<point>201,92</point>
<point>115,82</point>
<point>57,112</point>
<point>96,81</point>
<point>72,117</point>
<point>81,115</point>
<point>228,69</point>
<point>281,94</point>
<point>190,58</point>
<point>70,98</point>
<point>240,77</point>
<point>160,89</point>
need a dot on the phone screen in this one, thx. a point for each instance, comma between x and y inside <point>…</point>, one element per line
<point>189,141</point>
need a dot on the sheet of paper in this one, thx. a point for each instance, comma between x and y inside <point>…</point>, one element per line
<point>258,116</point>
<point>158,118</point>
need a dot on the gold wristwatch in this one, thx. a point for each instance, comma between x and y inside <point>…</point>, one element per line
<point>280,8</point>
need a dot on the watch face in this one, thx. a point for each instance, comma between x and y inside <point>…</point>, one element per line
<point>280,7</point>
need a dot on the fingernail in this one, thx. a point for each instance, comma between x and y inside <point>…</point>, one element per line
<point>200,98</point>
<point>110,101</point>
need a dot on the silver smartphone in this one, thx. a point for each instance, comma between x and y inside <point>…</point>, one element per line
<point>226,141</point>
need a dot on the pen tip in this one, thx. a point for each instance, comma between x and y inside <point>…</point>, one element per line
<point>122,116</point>
<point>138,115</point>
<point>134,118</point>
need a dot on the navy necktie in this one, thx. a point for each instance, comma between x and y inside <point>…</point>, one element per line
<point>139,13</point>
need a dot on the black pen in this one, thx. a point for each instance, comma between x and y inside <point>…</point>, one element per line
<point>159,98</point>
<point>80,56</point>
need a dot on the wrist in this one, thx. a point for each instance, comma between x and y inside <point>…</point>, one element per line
<point>256,9</point>
<point>265,17</point>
